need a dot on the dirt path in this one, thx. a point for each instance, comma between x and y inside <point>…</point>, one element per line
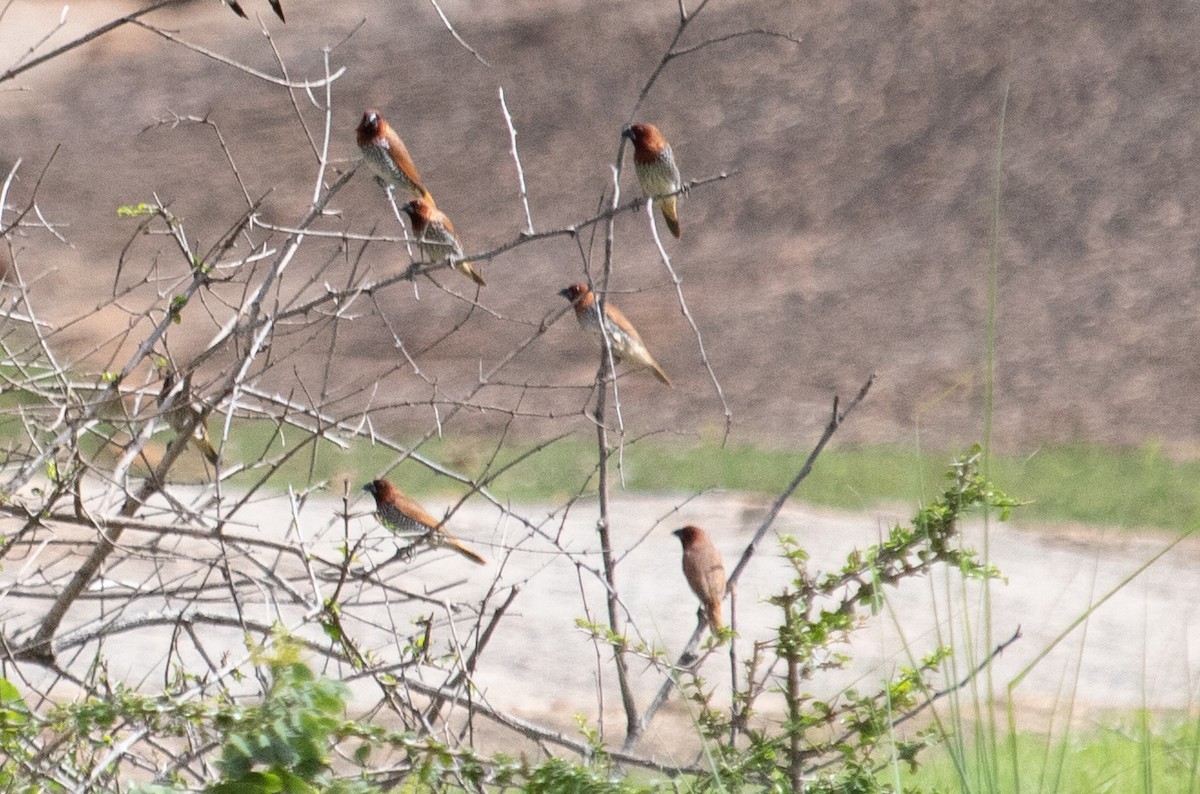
<point>1135,649</point>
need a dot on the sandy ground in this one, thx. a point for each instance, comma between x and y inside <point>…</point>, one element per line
<point>1134,650</point>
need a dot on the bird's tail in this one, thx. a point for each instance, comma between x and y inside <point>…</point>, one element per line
<point>466,551</point>
<point>712,612</point>
<point>670,215</point>
<point>469,271</point>
<point>200,442</point>
<point>658,372</point>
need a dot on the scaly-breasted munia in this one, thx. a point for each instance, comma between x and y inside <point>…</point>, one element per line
<point>399,513</point>
<point>436,237</point>
<point>704,571</point>
<point>388,157</point>
<point>182,412</point>
<point>623,338</point>
<point>656,170</point>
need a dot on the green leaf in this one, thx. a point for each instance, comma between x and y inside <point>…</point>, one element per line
<point>177,304</point>
<point>136,210</point>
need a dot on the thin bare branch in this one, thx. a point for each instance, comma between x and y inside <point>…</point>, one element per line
<point>835,421</point>
<point>446,21</point>
<point>241,67</point>
<point>683,308</point>
<point>512,136</point>
<point>91,35</point>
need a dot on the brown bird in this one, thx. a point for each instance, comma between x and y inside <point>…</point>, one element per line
<point>656,170</point>
<point>436,238</point>
<point>623,338</point>
<point>182,412</point>
<point>704,571</point>
<point>388,157</point>
<point>399,513</point>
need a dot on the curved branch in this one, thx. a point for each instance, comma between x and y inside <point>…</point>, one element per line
<point>241,67</point>
<point>85,38</point>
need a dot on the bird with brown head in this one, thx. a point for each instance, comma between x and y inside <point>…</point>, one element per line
<point>704,571</point>
<point>623,339</point>
<point>657,172</point>
<point>402,514</point>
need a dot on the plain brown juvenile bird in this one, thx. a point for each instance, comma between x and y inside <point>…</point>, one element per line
<point>623,338</point>
<point>656,170</point>
<point>704,571</point>
<point>388,157</point>
<point>399,513</point>
<point>437,239</point>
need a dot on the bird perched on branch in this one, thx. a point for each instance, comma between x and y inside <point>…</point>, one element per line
<point>183,412</point>
<point>704,571</point>
<point>436,238</point>
<point>623,338</point>
<point>656,170</point>
<point>388,157</point>
<point>399,513</point>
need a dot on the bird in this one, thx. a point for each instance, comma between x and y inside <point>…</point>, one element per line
<point>182,412</point>
<point>623,339</point>
<point>399,513</point>
<point>704,571</point>
<point>436,237</point>
<point>388,157</point>
<point>656,170</point>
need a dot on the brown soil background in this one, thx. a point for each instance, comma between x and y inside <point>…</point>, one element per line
<point>853,238</point>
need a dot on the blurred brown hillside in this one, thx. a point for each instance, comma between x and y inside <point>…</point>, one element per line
<point>853,237</point>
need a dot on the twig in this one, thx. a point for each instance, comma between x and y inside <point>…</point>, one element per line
<point>218,57</point>
<point>941,693</point>
<point>454,33</point>
<point>793,698</point>
<point>612,599</point>
<point>683,308</point>
<point>4,188</point>
<point>541,734</point>
<point>835,421</point>
<point>928,702</point>
<point>33,198</point>
<point>512,136</point>
<point>485,636</point>
<point>84,39</point>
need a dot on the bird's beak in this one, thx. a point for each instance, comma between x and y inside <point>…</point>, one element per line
<point>565,292</point>
<point>627,132</point>
<point>369,488</point>
<point>678,533</point>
